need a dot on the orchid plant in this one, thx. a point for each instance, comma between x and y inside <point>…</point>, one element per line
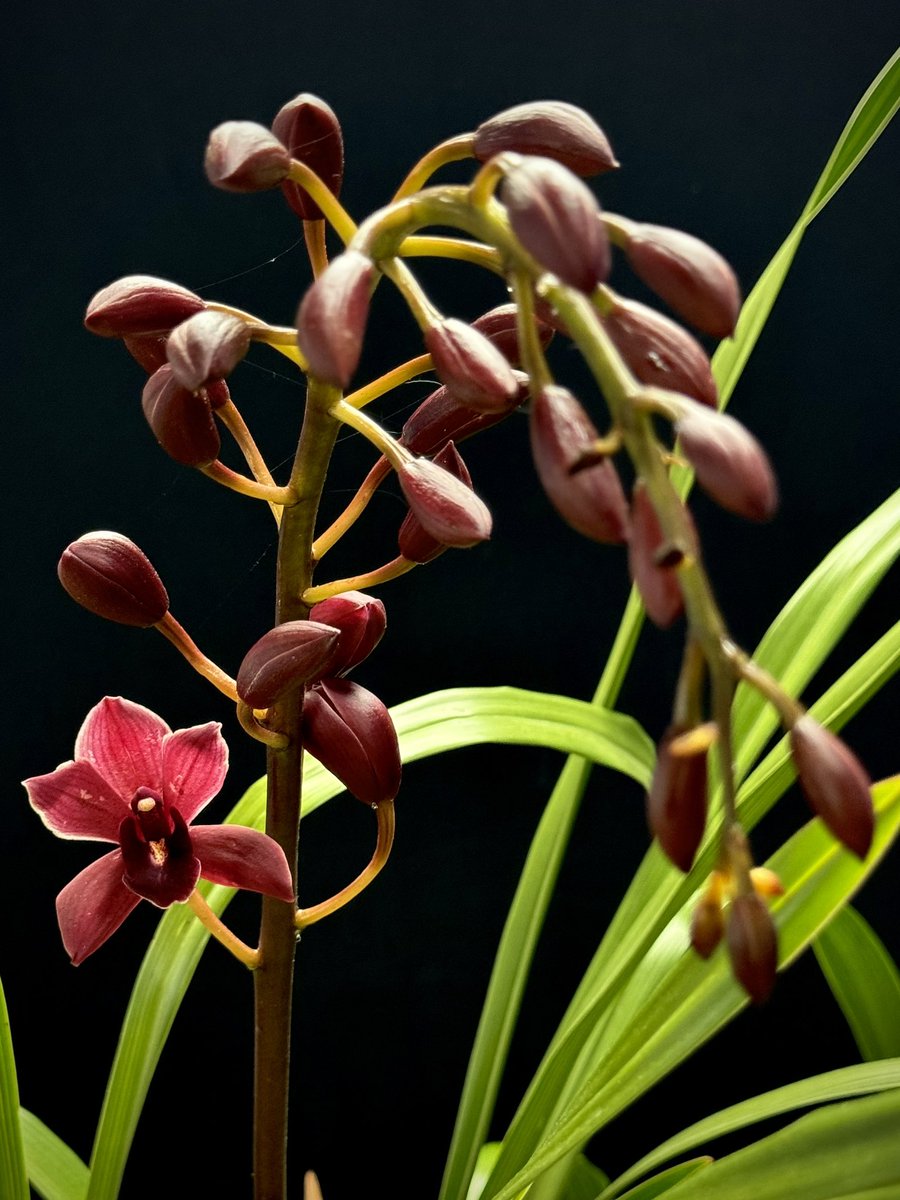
<point>703,929</point>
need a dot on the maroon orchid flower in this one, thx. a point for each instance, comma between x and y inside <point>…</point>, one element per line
<point>136,783</point>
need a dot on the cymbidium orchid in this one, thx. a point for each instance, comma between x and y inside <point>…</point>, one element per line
<point>136,783</point>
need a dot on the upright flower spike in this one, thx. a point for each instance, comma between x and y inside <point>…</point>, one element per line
<point>109,575</point>
<point>730,463</point>
<point>414,541</point>
<point>752,946</point>
<point>311,132</point>
<point>592,500</point>
<point>500,325</point>
<point>659,352</point>
<point>181,420</point>
<point>285,658</point>
<point>205,348</point>
<point>676,801</point>
<point>556,217</point>
<point>361,621</point>
<point>835,784</point>
<point>242,156</point>
<point>447,509</point>
<point>331,321</point>
<point>441,418</point>
<point>135,783</point>
<point>649,563</point>
<point>351,733</point>
<point>551,128</point>
<point>471,367</point>
<point>138,305</point>
<point>689,275</point>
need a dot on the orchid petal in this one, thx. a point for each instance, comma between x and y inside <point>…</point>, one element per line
<point>75,801</point>
<point>123,741</point>
<point>93,906</point>
<point>194,764</point>
<point>164,872</point>
<point>243,858</point>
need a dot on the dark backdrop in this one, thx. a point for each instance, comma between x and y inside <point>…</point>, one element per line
<point>723,116</point>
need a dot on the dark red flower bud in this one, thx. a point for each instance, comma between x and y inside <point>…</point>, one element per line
<point>753,946</point>
<point>592,500</point>
<point>500,326</point>
<point>441,418</point>
<point>361,620</point>
<point>556,217</point>
<point>551,128</point>
<point>332,318</point>
<point>206,347</point>
<point>471,367</point>
<point>660,353</point>
<point>676,801</point>
<point>835,784</point>
<point>446,507</point>
<point>289,655</point>
<point>707,925</point>
<point>652,567</point>
<point>312,134</point>
<point>149,352</point>
<point>688,274</point>
<point>111,576</point>
<point>182,421</point>
<point>351,733</point>
<point>730,463</point>
<point>242,156</point>
<point>414,542</point>
<point>138,305</point>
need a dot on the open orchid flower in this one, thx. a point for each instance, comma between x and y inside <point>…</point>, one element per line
<point>136,783</point>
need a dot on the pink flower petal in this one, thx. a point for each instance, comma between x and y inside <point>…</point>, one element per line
<point>123,741</point>
<point>93,906</point>
<point>243,858</point>
<point>195,762</point>
<point>75,801</point>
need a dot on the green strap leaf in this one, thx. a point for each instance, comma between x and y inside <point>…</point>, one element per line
<point>692,999</point>
<point>666,1180</point>
<point>847,1151</point>
<point>865,982</point>
<point>430,725</point>
<point>56,1172</point>
<point>857,1080</point>
<point>13,1179</point>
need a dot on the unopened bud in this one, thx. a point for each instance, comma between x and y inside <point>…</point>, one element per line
<point>659,352</point>
<point>149,352</point>
<point>331,321</point>
<point>108,574</point>
<point>765,882</point>
<point>289,655</point>
<point>312,134</point>
<point>205,347</point>
<point>447,509</point>
<point>707,924</point>
<point>471,367</point>
<point>351,733</point>
<point>656,581</point>
<point>361,621</point>
<point>414,542</point>
<point>730,463</point>
<point>441,418</point>
<point>138,305</point>
<point>500,326</point>
<point>242,156</point>
<point>835,784</point>
<point>676,801</point>
<point>551,128</point>
<point>557,219</point>
<point>689,275</point>
<point>182,421</point>
<point>752,946</point>
<point>591,500</point>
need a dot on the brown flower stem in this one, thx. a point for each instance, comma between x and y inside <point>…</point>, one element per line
<point>219,473</point>
<point>788,709</point>
<point>232,943</point>
<point>273,978</point>
<point>391,570</point>
<point>314,236</point>
<point>452,150</point>
<point>185,645</point>
<point>236,426</point>
<point>354,509</point>
<point>387,382</point>
<point>384,814</point>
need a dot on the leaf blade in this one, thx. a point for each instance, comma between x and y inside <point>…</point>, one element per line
<point>13,1177</point>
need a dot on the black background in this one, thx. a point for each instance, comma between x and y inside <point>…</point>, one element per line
<point>723,116</point>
